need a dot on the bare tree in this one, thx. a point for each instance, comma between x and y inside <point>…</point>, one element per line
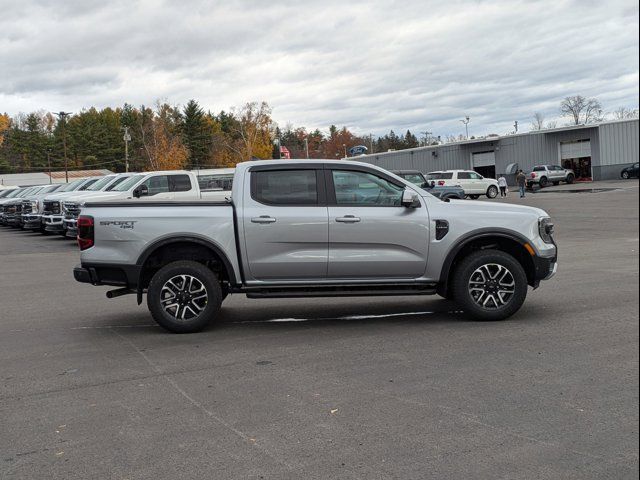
<point>551,124</point>
<point>538,121</point>
<point>581,110</point>
<point>623,113</point>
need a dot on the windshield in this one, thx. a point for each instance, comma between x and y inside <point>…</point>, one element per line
<point>128,183</point>
<point>415,178</point>
<point>116,182</point>
<point>6,193</point>
<point>70,186</point>
<point>88,183</point>
<point>100,184</point>
<point>50,188</point>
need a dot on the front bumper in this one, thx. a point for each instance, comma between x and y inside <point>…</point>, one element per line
<point>32,221</point>
<point>53,223</point>
<point>71,227</point>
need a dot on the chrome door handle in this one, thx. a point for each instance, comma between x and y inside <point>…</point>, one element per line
<point>263,219</point>
<point>348,219</point>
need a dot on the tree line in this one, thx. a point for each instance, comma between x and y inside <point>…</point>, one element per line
<point>164,137</point>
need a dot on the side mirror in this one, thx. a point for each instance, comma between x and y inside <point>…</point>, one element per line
<point>141,191</point>
<point>410,199</point>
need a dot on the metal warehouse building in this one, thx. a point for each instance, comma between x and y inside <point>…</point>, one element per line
<point>598,152</point>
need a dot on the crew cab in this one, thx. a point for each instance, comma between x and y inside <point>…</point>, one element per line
<point>168,185</point>
<point>314,228</point>
<point>12,208</point>
<point>545,175</point>
<point>473,184</point>
<point>10,196</point>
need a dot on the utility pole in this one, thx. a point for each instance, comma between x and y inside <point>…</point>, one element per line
<point>63,120</point>
<point>306,147</point>
<point>515,124</point>
<point>466,125</point>
<point>371,143</point>
<point>127,139</point>
<point>49,163</point>
<point>345,150</point>
<point>427,135</point>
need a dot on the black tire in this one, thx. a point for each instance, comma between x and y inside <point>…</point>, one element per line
<point>207,308</point>
<point>466,275</point>
<point>544,182</point>
<point>625,175</point>
<point>492,191</point>
<point>474,197</point>
<point>570,178</point>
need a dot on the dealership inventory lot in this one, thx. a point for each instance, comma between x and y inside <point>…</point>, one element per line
<point>396,387</point>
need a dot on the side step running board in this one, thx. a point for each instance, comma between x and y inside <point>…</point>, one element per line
<point>344,291</point>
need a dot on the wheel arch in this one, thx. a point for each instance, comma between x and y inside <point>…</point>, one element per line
<point>500,239</point>
<point>177,247</point>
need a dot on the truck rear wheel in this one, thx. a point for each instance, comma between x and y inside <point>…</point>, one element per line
<point>490,285</point>
<point>184,296</point>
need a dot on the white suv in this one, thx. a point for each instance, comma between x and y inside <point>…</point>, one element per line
<point>471,182</point>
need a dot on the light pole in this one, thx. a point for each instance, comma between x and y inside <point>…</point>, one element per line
<point>63,120</point>
<point>49,163</point>
<point>306,147</point>
<point>466,125</point>
<point>127,139</point>
<point>371,143</point>
<point>344,146</point>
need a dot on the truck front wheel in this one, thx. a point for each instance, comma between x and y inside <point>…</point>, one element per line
<point>184,296</point>
<point>490,285</point>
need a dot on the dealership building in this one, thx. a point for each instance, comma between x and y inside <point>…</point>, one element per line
<point>598,151</point>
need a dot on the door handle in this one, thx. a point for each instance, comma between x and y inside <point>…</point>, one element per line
<point>263,219</point>
<point>348,219</point>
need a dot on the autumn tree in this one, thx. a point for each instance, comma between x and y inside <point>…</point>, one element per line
<point>160,131</point>
<point>249,132</point>
<point>581,110</point>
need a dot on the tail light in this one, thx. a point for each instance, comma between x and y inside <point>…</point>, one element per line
<point>85,232</point>
<point>441,183</point>
<point>533,175</point>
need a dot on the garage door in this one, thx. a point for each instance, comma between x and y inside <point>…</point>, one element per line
<point>484,159</point>
<point>575,149</point>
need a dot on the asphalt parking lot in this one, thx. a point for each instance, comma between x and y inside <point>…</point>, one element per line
<point>370,388</point>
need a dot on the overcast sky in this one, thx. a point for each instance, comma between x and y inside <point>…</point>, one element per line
<point>371,66</point>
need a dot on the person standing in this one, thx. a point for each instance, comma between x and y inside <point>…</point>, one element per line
<point>502,183</point>
<point>521,180</point>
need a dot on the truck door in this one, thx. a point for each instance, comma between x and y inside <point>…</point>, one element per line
<point>285,223</point>
<point>371,235</point>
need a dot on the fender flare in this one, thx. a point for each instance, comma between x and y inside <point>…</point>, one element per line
<point>191,238</point>
<point>478,235</point>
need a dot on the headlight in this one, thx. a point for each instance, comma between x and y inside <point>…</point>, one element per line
<point>34,205</point>
<point>546,227</point>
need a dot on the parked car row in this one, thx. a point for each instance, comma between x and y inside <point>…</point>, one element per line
<point>55,208</point>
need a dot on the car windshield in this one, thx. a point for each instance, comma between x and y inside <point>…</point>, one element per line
<point>116,182</point>
<point>100,184</point>
<point>70,186</point>
<point>415,178</point>
<point>7,193</point>
<point>50,188</point>
<point>128,183</point>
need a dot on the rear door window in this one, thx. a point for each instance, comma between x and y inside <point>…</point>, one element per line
<point>464,176</point>
<point>179,183</point>
<point>285,187</point>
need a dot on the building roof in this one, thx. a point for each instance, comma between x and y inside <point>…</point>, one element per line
<point>43,178</point>
<point>495,138</point>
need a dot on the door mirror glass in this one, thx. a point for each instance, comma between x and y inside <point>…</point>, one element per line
<point>410,199</point>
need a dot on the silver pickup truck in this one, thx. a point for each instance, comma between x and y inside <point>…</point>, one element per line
<point>314,228</point>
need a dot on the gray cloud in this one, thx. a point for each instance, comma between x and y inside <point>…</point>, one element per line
<point>370,65</point>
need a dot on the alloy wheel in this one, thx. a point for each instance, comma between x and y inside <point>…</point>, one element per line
<point>492,286</point>
<point>183,297</point>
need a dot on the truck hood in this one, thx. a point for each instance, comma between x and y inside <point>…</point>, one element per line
<point>90,195</point>
<point>491,209</point>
